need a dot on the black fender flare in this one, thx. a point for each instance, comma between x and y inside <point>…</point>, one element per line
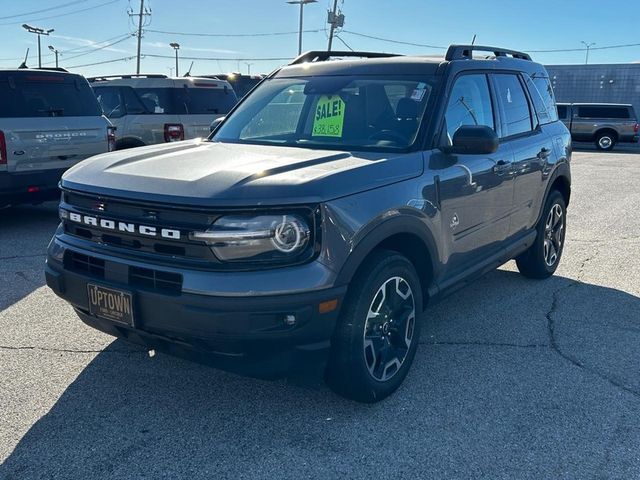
<point>561,170</point>
<point>373,235</point>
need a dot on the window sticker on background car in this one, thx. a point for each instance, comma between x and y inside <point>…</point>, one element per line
<point>418,93</point>
<point>329,117</point>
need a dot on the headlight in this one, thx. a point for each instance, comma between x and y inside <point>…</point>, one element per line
<point>258,238</point>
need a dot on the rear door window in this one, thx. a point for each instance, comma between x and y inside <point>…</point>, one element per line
<point>513,106</point>
<point>205,100</point>
<point>602,111</point>
<point>37,95</point>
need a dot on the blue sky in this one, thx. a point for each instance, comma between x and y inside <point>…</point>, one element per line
<point>91,31</point>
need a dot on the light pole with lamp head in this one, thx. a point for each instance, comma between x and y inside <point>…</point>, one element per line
<point>39,32</point>
<point>588,45</point>
<point>302,3</point>
<point>56,52</point>
<point>176,47</point>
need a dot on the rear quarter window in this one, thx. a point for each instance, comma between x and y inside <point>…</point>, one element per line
<point>603,111</point>
<point>36,95</point>
<point>543,99</point>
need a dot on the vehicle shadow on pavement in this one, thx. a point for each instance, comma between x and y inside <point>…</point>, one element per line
<point>25,232</point>
<point>473,402</point>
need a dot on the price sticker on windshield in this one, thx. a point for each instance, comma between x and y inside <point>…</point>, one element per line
<point>329,117</point>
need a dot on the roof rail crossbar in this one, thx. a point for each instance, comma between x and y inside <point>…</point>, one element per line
<point>133,75</point>
<point>459,52</point>
<point>324,55</point>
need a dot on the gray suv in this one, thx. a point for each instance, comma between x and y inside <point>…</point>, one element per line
<point>49,121</point>
<point>150,109</point>
<point>604,124</point>
<point>329,208</point>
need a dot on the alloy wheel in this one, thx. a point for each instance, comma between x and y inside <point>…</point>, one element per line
<point>389,328</point>
<point>553,235</point>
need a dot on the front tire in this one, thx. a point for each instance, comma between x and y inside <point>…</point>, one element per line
<point>378,330</point>
<point>542,258</point>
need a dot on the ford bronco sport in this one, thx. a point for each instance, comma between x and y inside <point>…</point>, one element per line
<point>320,228</point>
<point>49,121</point>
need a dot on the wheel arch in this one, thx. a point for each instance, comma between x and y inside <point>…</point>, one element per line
<point>614,133</point>
<point>560,180</point>
<point>406,235</point>
<point>129,142</point>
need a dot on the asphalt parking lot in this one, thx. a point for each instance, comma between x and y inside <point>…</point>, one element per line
<point>514,378</point>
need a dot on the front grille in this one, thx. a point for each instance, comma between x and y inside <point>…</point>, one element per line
<point>147,278</point>
<point>155,279</point>
<point>79,263</point>
<point>183,220</point>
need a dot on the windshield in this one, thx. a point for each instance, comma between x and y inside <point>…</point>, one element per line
<point>347,112</point>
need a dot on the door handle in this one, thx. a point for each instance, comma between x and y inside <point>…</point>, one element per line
<point>544,153</point>
<point>501,167</point>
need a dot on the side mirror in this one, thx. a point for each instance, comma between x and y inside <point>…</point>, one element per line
<point>474,140</point>
<point>215,123</point>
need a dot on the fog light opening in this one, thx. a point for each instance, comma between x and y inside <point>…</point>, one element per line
<point>290,320</point>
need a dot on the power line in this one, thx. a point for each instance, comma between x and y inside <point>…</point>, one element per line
<point>97,49</point>
<point>555,50</point>
<point>122,59</point>
<point>267,34</point>
<point>64,14</point>
<point>393,41</point>
<point>43,9</point>
<point>215,59</point>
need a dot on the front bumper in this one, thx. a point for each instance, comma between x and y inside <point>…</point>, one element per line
<point>242,333</point>
<point>30,187</point>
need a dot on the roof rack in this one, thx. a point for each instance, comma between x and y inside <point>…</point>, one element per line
<point>133,75</point>
<point>324,55</point>
<point>460,52</point>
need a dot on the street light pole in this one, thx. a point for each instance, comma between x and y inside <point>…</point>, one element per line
<point>56,52</point>
<point>302,3</point>
<point>248,67</point>
<point>39,32</point>
<point>176,47</point>
<point>588,45</point>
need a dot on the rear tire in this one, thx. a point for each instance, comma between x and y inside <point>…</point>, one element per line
<point>377,334</point>
<point>542,258</point>
<point>605,141</point>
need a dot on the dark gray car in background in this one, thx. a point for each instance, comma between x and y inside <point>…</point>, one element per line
<point>323,214</point>
<point>604,124</point>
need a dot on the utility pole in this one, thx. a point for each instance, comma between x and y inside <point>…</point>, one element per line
<point>588,45</point>
<point>176,47</point>
<point>39,32</point>
<point>141,15</point>
<point>302,3</point>
<point>56,52</point>
<point>336,20</point>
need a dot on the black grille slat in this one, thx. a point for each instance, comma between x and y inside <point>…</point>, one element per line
<point>157,280</point>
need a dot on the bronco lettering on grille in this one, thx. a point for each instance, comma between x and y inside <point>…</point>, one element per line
<point>125,227</point>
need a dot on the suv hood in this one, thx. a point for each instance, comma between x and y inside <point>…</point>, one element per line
<point>200,173</point>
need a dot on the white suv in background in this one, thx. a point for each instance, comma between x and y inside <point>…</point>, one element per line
<point>150,109</point>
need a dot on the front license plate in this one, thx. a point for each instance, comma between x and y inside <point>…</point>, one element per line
<point>110,304</point>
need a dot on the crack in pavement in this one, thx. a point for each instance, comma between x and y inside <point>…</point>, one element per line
<point>553,342</point>
<point>68,350</point>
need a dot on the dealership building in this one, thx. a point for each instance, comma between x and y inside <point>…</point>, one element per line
<point>599,83</point>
